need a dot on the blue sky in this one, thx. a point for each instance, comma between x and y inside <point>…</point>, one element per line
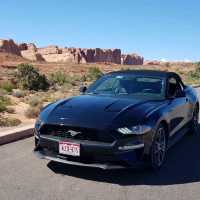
<point>156,29</point>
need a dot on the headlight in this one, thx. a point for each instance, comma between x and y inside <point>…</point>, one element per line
<point>134,130</point>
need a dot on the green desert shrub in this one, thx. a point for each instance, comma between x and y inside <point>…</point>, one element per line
<point>197,63</point>
<point>35,101</point>
<point>83,78</point>
<point>4,102</point>
<point>195,74</point>
<point>193,77</point>
<point>8,121</point>
<point>2,107</point>
<point>60,78</point>
<point>33,112</point>
<point>7,86</point>
<point>29,78</point>
<point>94,73</point>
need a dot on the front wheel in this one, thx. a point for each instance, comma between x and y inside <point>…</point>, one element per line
<point>159,147</point>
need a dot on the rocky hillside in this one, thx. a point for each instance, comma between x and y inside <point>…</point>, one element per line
<point>69,55</point>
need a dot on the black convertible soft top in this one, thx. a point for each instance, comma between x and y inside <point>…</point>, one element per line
<point>157,73</point>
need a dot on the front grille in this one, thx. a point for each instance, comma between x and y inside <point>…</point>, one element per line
<point>77,133</point>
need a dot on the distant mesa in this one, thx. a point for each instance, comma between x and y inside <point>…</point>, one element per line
<point>69,55</point>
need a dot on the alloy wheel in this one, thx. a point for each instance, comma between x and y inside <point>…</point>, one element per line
<point>158,148</point>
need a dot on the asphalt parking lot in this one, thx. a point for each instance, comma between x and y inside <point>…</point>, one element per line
<point>25,177</point>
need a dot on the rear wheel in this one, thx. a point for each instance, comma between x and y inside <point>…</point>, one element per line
<point>159,147</point>
<point>195,120</point>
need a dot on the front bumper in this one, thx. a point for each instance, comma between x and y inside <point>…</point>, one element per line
<point>105,166</point>
<point>92,154</point>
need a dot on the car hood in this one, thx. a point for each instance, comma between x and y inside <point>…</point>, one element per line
<point>97,111</point>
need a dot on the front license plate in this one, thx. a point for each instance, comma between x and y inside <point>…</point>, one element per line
<point>69,148</point>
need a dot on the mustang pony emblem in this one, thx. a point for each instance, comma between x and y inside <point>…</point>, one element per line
<point>73,133</point>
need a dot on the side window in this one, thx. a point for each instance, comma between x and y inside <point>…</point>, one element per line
<point>180,85</point>
<point>172,87</point>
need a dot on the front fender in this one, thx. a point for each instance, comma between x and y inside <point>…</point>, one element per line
<point>156,116</point>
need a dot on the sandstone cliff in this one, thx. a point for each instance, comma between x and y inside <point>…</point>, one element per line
<point>71,55</point>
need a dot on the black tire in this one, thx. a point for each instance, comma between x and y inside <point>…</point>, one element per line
<point>158,148</point>
<point>195,120</point>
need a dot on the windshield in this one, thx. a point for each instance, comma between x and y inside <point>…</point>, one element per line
<point>140,86</point>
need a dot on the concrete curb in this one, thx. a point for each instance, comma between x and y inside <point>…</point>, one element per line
<point>16,134</point>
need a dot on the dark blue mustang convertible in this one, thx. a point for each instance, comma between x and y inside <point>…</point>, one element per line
<point>125,119</point>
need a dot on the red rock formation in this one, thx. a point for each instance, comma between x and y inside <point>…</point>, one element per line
<point>102,55</point>
<point>89,55</point>
<point>31,46</point>
<point>32,55</point>
<point>73,55</point>
<point>116,56</point>
<point>23,46</point>
<point>9,46</point>
<point>48,50</point>
<point>132,59</point>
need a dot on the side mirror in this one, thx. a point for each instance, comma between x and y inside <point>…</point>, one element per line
<point>83,89</point>
<point>180,93</point>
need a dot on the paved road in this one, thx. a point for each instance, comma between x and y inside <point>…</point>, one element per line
<point>24,177</point>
